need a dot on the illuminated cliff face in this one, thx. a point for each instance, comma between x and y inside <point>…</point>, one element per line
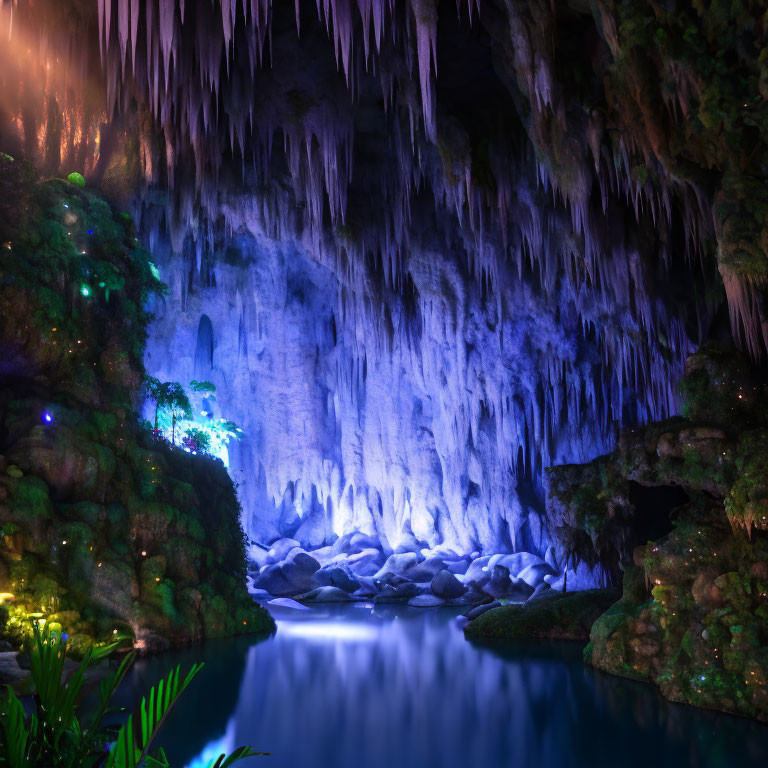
<point>413,308</point>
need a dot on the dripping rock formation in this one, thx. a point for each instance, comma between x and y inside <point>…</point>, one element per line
<point>424,250</point>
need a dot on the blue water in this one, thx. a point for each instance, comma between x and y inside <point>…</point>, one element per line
<point>344,687</point>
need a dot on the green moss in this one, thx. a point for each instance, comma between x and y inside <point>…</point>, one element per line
<point>104,527</point>
<point>560,615</point>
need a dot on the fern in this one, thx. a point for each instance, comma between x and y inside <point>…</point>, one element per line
<point>51,736</point>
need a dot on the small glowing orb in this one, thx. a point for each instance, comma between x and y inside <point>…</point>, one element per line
<point>47,417</point>
<point>85,290</point>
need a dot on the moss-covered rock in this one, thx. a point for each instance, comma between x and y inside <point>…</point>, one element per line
<point>559,616</point>
<point>105,529</point>
<point>694,615</point>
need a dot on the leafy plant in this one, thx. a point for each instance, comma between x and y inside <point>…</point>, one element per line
<point>52,734</point>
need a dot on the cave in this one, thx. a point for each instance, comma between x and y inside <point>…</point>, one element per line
<point>655,509</point>
<point>451,311</point>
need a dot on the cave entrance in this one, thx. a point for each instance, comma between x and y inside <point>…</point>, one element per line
<point>654,509</point>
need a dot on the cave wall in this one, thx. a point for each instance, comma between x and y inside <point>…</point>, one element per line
<point>424,288</point>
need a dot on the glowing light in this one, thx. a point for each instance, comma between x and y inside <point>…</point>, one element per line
<point>47,417</point>
<point>329,630</point>
<point>85,290</point>
<point>6,597</point>
<point>64,542</point>
<point>143,552</point>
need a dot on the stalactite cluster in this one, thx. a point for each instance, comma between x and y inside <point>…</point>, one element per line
<point>514,211</point>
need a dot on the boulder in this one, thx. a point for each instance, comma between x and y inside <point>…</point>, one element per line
<point>366,562</point>
<point>479,610</point>
<point>286,602</point>
<point>458,567</point>
<point>540,592</point>
<point>313,531</point>
<point>499,583</point>
<point>272,580</point>
<point>446,586</point>
<point>478,570</point>
<point>399,594</point>
<point>426,570</point>
<point>304,562</point>
<point>397,563</point>
<point>533,575</point>
<point>341,579</point>
<point>325,595</point>
<point>514,563</point>
<point>367,588</point>
<point>278,550</point>
<point>705,592</point>
<point>425,601</point>
<point>519,591</point>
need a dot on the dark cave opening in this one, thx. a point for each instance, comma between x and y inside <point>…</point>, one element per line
<point>655,508</point>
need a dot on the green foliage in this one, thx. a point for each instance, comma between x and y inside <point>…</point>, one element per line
<point>76,179</point>
<point>53,735</point>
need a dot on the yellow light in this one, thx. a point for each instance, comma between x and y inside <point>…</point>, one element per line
<point>5,597</point>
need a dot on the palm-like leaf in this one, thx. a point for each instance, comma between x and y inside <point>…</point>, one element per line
<point>17,733</point>
<point>225,761</point>
<point>136,736</point>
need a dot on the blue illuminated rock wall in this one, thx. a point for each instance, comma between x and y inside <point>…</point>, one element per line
<point>423,423</point>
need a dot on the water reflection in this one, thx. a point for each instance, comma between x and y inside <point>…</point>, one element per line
<point>341,687</point>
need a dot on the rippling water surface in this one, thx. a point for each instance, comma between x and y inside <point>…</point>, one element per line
<point>343,686</point>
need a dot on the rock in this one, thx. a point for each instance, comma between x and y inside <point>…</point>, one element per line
<point>519,591</point>
<point>705,592</point>
<point>541,591</point>
<point>10,670</point>
<point>278,550</point>
<point>425,601</point>
<point>397,563</point>
<point>557,616</point>
<point>391,579</point>
<point>341,579</point>
<point>534,575</point>
<point>325,595</point>
<point>409,544</point>
<point>425,571</point>
<point>367,588</point>
<point>499,583</point>
<point>362,541</point>
<point>366,562</point>
<point>313,531</point>
<point>478,570</point>
<point>286,602</point>
<point>446,586</point>
<point>668,446</point>
<point>399,594</point>
<point>514,563</point>
<point>304,562</point>
<point>479,610</point>
<point>458,567</point>
<point>550,558</point>
<point>272,579</point>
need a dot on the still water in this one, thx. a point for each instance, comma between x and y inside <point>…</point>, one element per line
<point>345,687</point>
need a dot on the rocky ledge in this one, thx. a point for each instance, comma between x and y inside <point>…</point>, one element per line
<point>693,617</point>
